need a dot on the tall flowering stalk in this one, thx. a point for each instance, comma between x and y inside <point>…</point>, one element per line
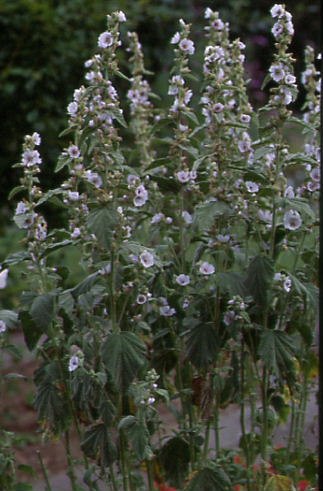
<point>141,107</point>
<point>198,271</point>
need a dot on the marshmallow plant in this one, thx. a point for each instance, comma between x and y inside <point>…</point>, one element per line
<point>198,261</point>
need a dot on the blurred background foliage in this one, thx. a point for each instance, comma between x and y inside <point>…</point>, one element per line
<point>44,45</point>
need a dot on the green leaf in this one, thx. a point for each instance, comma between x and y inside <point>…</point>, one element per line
<point>51,404</point>
<point>232,282</point>
<point>17,257</point>
<point>123,354</point>
<point>202,345</point>
<point>50,194</point>
<point>98,445</point>
<point>66,302</point>
<point>84,286</point>
<point>122,75</point>
<point>259,279</point>
<point>43,310</point>
<point>308,290</point>
<point>206,213</point>
<point>102,222</point>
<point>10,318</point>
<point>277,350</point>
<point>174,457</point>
<point>32,332</point>
<point>16,190</point>
<point>138,435</point>
<point>210,478</point>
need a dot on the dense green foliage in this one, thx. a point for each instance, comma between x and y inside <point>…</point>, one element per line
<point>197,266</point>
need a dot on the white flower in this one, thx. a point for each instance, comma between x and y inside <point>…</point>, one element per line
<point>3,327</point>
<point>132,179</point>
<point>78,93</point>
<point>73,363</point>
<point>73,151</point>
<point>223,238</point>
<point>3,278</point>
<point>141,196</point>
<point>187,46</point>
<point>36,138</point>
<point>289,192</point>
<point>287,285</point>
<point>244,146</point>
<point>183,176</point>
<point>167,311</point>
<point>193,175</point>
<point>157,218</point>
<point>72,108</point>
<point>315,174</point>
<point>139,201</point>
<point>105,39</point>
<point>290,28</point>
<point>21,208</point>
<point>73,195</point>
<point>277,30</point>
<point>292,220</point>
<point>186,303</point>
<point>208,12</point>
<point>76,233</point>
<point>313,186</point>
<point>183,279</point>
<point>218,107</point>
<point>229,317</point>
<point>290,79</point>
<point>147,259</point>
<point>30,158</point>
<point>277,10</point>
<point>187,217</point>
<point>277,72</point>
<point>176,38</point>
<point>287,95</point>
<point>217,24</point>
<point>252,187</point>
<point>94,178</point>
<point>90,76</point>
<point>121,16</point>
<point>265,216</point>
<point>187,96</point>
<point>245,118</point>
<point>207,268</point>
<point>182,127</point>
<point>142,191</point>
<point>141,299</point>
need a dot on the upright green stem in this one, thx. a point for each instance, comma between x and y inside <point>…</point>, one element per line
<point>150,475</point>
<point>242,409</point>
<point>115,326</point>
<point>264,436</point>
<point>113,478</point>
<point>44,472</point>
<point>217,427</point>
<point>206,440</point>
<point>124,462</point>
<point>70,463</point>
